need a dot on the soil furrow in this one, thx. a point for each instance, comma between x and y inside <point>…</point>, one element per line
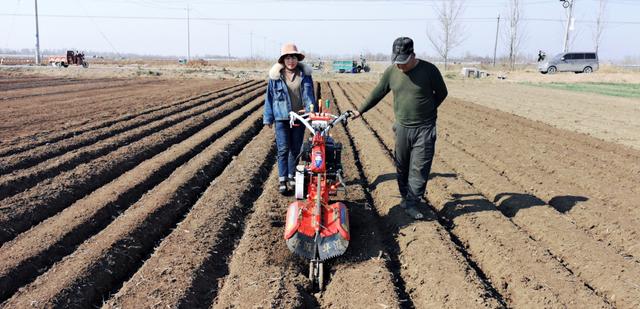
<point>38,154</point>
<point>262,271</point>
<point>185,267</point>
<point>563,162</point>
<point>103,262</point>
<point>608,273</point>
<point>593,153</point>
<point>24,179</point>
<point>47,82</point>
<point>582,206</point>
<point>586,211</point>
<point>259,272</point>
<point>426,252</point>
<point>109,85</point>
<point>524,272</point>
<point>19,212</point>
<point>35,250</point>
<point>27,143</point>
<point>364,267</point>
<point>569,112</point>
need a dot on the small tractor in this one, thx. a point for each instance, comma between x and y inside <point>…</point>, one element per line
<point>351,66</point>
<point>317,65</point>
<point>72,58</point>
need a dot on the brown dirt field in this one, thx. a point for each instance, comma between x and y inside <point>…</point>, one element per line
<point>206,234</point>
<point>20,211</point>
<point>107,257</point>
<point>367,265</point>
<point>262,273</point>
<point>426,252</point>
<point>30,110</point>
<point>578,251</point>
<point>608,118</point>
<point>66,155</point>
<point>161,192</point>
<point>34,251</point>
<point>75,136</point>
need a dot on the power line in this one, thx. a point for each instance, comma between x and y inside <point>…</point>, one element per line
<point>104,36</point>
<point>248,19</point>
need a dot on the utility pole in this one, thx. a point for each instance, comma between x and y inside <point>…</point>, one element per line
<point>188,35</point>
<point>567,4</point>
<point>228,43</point>
<point>495,46</point>
<point>37,37</point>
<point>251,43</point>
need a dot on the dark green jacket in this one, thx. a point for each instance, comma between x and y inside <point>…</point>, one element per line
<point>416,94</point>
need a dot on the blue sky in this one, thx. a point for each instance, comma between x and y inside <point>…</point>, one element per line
<point>258,27</point>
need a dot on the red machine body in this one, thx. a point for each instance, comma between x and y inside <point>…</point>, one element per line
<point>314,228</point>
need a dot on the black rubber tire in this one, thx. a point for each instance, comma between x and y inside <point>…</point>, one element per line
<point>587,70</point>
<point>552,70</point>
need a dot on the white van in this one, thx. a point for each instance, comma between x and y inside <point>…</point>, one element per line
<point>570,62</point>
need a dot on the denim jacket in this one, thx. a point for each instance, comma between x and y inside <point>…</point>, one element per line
<point>277,103</point>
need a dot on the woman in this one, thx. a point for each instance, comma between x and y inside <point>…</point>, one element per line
<point>290,89</point>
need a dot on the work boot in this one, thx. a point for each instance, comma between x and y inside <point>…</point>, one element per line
<point>413,212</point>
<point>282,188</point>
<point>292,184</point>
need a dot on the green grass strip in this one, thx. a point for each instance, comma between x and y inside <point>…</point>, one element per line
<point>608,89</point>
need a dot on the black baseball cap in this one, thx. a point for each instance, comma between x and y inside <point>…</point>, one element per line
<point>402,50</point>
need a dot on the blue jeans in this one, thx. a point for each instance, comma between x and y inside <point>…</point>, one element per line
<point>288,140</point>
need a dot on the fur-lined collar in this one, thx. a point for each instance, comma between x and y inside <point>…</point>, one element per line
<point>274,72</point>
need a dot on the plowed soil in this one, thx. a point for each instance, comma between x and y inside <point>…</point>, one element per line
<point>149,193</point>
<point>41,105</point>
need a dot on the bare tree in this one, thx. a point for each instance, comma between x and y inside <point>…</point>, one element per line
<point>597,33</point>
<point>451,32</point>
<point>514,31</point>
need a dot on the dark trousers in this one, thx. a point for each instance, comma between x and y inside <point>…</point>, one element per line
<point>288,140</point>
<point>413,157</point>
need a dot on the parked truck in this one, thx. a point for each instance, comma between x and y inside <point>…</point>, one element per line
<point>72,58</point>
<point>351,66</point>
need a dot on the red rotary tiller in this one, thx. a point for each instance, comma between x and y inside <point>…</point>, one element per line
<point>315,229</point>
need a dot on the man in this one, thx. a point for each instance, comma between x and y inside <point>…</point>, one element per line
<point>418,90</point>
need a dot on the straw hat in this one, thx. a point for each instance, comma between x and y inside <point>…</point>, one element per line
<point>290,49</point>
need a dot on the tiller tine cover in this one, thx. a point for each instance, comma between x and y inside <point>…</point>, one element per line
<point>332,246</point>
<point>302,245</point>
<point>333,238</point>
